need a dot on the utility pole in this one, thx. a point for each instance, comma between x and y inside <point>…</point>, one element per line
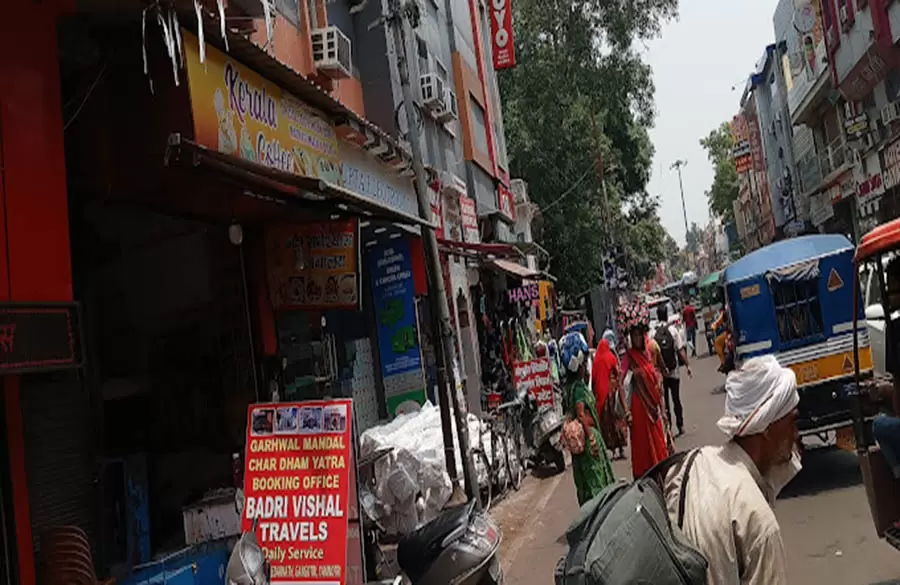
<point>677,165</point>
<point>397,13</point>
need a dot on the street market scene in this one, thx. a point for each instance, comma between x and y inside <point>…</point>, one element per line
<point>450,292</point>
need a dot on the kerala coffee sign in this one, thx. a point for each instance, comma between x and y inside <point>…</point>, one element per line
<point>39,337</point>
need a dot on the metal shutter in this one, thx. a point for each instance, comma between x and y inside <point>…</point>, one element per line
<point>58,453</point>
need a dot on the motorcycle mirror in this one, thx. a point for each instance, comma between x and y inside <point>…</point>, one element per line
<point>239,501</point>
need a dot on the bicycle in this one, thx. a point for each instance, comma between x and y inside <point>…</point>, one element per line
<point>508,435</point>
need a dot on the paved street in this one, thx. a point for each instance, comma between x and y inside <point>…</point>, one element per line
<point>823,512</point>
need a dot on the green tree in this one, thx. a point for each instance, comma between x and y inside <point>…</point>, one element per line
<point>577,70</point>
<point>724,189</point>
<point>694,238</point>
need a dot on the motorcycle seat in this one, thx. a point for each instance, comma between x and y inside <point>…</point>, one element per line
<point>417,550</point>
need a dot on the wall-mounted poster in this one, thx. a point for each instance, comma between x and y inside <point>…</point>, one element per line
<point>313,265</point>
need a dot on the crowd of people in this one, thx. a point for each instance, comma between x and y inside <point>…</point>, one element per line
<point>627,397</point>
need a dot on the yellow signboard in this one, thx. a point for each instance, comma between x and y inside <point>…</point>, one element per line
<point>238,112</point>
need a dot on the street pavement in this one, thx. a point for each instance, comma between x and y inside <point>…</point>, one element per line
<point>823,513</point>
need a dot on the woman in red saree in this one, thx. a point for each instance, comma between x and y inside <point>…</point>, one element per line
<point>648,434</point>
<point>610,399</point>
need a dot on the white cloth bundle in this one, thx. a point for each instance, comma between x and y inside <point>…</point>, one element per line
<point>758,394</point>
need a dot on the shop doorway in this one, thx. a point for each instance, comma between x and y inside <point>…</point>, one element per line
<point>171,368</point>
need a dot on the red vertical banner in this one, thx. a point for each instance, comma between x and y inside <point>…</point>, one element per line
<point>297,484</point>
<point>502,34</point>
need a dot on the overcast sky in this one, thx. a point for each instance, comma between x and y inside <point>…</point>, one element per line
<point>710,49</point>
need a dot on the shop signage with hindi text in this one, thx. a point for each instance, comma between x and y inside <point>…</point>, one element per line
<point>313,265</point>
<point>891,174</point>
<point>469,218</point>
<point>502,34</point>
<point>536,378</point>
<point>297,486</point>
<point>506,202</point>
<point>238,112</point>
<point>39,337</point>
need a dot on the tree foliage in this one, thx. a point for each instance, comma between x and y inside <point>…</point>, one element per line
<point>694,238</point>
<point>576,71</point>
<point>724,189</point>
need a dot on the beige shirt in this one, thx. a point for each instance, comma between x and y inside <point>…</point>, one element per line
<point>729,518</point>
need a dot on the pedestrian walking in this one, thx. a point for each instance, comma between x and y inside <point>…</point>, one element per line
<point>645,402</point>
<point>610,399</point>
<point>689,317</point>
<point>730,490</point>
<point>591,467</point>
<point>673,351</point>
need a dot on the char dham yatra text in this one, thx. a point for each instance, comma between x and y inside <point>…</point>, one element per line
<point>275,511</point>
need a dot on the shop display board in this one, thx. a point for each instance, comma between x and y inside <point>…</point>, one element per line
<point>313,265</point>
<point>536,378</point>
<point>393,292</point>
<point>297,484</point>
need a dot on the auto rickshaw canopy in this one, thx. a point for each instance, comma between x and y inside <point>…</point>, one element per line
<point>883,238</point>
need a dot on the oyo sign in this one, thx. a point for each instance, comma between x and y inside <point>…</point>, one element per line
<point>501,34</point>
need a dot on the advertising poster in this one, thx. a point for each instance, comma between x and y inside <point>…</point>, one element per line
<point>238,112</point>
<point>313,265</point>
<point>469,217</point>
<point>297,485</point>
<point>393,292</point>
<point>502,34</point>
<point>536,378</point>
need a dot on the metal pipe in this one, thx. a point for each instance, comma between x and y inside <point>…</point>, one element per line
<point>446,377</point>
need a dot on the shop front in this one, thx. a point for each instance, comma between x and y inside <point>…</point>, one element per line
<point>218,250</point>
<point>842,195</point>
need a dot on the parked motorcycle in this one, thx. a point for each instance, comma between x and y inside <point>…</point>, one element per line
<point>459,547</point>
<point>543,430</point>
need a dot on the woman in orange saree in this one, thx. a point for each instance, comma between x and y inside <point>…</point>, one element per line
<point>610,399</point>
<point>648,434</point>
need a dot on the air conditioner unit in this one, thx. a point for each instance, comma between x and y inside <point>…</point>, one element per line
<point>448,109</point>
<point>332,52</point>
<point>890,113</point>
<point>432,87</point>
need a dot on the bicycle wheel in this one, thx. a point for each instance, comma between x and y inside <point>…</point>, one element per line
<point>514,465</point>
<point>499,461</point>
<point>481,456</point>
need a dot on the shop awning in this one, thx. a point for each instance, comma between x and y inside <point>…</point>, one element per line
<point>474,250</point>
<point>305,191</point>
<point>516,270</point>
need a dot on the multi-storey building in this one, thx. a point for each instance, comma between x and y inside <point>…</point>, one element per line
<point>203,193</point>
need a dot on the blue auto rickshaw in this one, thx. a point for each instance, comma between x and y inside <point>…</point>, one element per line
<point>795,299</point>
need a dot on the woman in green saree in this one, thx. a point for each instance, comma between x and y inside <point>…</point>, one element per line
<point>591,468</point>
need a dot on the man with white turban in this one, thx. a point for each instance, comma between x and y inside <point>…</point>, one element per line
<point>731,489</point>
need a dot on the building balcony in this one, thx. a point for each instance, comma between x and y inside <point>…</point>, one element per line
<point>834,159</point>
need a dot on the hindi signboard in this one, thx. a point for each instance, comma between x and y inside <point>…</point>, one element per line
<point>535,377</point>
<point>297,485</point>
<point>313,265</point>
<point>37,337</point>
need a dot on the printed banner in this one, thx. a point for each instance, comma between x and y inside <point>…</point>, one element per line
<point>502,34</point>
<point>313,265</point>
<point>238,112</point>
<point>469,218</point>
<point>297,484</point>
<point>536,378</point>
<point>393,293</point>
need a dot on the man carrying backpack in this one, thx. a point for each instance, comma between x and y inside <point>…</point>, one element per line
<point>673,350</point>
<point>724,495</point>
